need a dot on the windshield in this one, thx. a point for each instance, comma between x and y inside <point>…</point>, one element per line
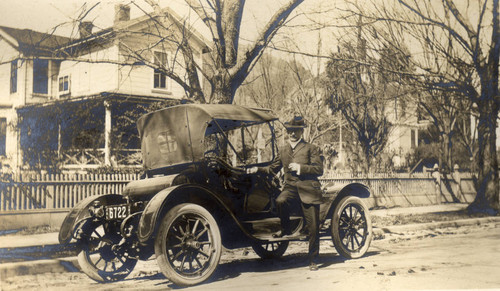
<point>249,144</point>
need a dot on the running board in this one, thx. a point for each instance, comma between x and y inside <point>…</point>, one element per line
<point>269,237</point>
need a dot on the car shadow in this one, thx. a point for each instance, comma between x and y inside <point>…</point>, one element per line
<point>235,268</point>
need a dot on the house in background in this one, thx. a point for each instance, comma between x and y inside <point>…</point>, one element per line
<point>25,78</point>
<point>75,101</point>
<point>405,126</point>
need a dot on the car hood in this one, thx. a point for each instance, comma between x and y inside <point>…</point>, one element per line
<point>149,186</point>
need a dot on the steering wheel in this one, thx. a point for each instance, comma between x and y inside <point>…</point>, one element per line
<point>220,161</point>
<point>272,179</point>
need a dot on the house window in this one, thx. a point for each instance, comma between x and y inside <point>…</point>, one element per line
<point>63,85</point>
<point>3,136</point>
<point>160,79</point>
<point>40,76</point>
<point>13,76</point>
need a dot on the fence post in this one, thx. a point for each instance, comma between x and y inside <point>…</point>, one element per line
<point>50,194</point>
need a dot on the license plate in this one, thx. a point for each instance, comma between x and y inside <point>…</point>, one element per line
<point>117,212</point>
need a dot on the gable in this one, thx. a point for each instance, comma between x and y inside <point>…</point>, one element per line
<point>31,42</point>
<point>129,29</point>
<point>165,15</point>
<point>8,52</point>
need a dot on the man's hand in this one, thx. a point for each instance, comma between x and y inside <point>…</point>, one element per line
<point>252,170</point>
<point>294,167</point>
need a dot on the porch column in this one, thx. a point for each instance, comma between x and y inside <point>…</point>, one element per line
<point>59,143</point>
<point>107,134</point>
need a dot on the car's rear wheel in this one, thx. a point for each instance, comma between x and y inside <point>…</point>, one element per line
<point>188,246</point>
<point>351,228</point>
<point>101,257</point>
<point>270,250</point>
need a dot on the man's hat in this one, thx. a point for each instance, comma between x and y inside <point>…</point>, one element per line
<point>295,123</point>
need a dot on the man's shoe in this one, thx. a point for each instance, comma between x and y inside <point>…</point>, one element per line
<point>313,267</point>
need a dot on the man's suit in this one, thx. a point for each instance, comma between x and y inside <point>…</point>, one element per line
<point>308,156</point>
<point>303,185</point>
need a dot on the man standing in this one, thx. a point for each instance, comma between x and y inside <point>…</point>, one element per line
<point>302,164</point>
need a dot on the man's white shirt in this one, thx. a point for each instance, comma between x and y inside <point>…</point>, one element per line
<point>294,145</point>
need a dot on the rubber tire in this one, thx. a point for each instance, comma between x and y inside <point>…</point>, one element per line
<point>265,254</point>
<point>367,235</point>
<point>90,269</point>
<point>161,241</point>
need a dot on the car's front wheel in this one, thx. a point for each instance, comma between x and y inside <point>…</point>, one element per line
<point>351,227</point>
<point>101,257</point>
<point>188,245</point>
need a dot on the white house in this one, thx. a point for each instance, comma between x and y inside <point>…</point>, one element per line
<point>65,97</point>
<point>403,136</point>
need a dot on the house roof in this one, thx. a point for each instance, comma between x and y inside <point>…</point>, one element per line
<point>100,97</point>
<point>123,26</point>
<point>38,43</point>
<point>31,42</point>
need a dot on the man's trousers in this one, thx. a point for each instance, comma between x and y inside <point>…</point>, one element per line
<point>311,216</point>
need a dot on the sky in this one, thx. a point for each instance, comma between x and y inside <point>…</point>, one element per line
<point>43,15</point>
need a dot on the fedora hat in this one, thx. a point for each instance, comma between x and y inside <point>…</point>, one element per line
<point>295,123</point>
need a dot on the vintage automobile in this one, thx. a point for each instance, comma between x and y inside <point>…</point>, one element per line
<point>196,197</point>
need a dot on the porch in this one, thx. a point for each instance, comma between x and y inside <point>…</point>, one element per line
<point>84,133</point>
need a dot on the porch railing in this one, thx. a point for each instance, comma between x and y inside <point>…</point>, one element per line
<point>94,158</point>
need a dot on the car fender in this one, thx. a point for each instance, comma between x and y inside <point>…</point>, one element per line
<point>169,197</point>
<point>333,194</point>
<point>80,211</point>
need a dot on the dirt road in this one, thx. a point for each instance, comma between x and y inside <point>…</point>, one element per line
<point>463,258</point>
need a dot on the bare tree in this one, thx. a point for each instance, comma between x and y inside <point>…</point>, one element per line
<point>445,110</point>
<point>289,88</point>
<point>268,85</point>
<point>359,94</point>
<point>458,43</point>
<point>225,66</point>
<point>229,66</point>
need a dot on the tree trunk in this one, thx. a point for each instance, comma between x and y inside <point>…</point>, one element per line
<point>195,91</point>
<point>222,95</point>
<point>487,199</point>
<point>441,155</point>
<point>221,90</point>
<point>446,163</point>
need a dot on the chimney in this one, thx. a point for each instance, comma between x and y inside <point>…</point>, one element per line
<point>122,13</point>
<point>85,29</point>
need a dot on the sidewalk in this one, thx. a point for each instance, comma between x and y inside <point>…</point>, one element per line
<point>18,241</point>
<point>419,209</point>
<point>46,239</point>
<point>20,245</point>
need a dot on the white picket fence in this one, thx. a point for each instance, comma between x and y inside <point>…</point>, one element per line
<point>63,191</point>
